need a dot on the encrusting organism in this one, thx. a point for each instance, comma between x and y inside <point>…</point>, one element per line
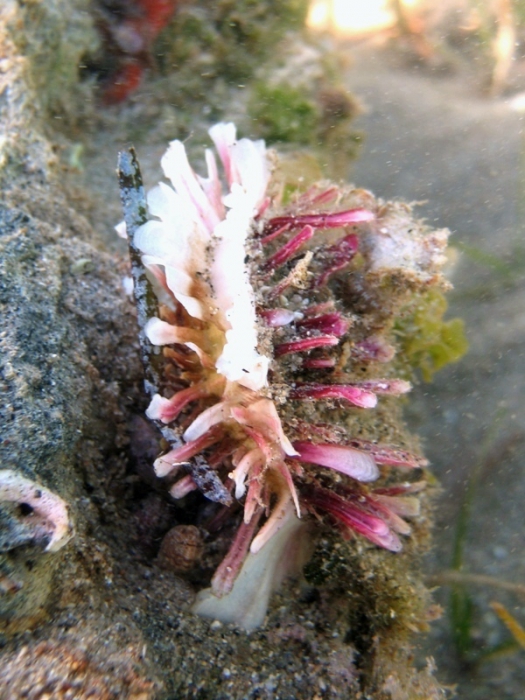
<point>260,338</point>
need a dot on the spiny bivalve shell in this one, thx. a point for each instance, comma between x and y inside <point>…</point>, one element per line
<point>274,319</point>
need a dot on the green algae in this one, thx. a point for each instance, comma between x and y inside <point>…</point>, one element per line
<point>428,341</point>
<point>283,113</point>
<point>225,40</point>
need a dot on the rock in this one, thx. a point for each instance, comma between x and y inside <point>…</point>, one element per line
<point>97,616</point>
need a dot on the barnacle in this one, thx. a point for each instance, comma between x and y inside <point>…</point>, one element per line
<point>265,324</point>
<point>42,517</point>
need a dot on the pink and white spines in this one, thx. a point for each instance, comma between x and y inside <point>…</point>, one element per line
<point>265,357</point>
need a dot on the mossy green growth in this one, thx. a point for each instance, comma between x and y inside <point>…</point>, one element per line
<point>254,26</point>
<point>307,115</point>
<point>283,113</point>
<point>428,342</point>
<point>228,38</point>
<point>382,602</point>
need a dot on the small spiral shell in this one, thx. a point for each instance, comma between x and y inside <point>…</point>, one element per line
<point>181,549</point>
